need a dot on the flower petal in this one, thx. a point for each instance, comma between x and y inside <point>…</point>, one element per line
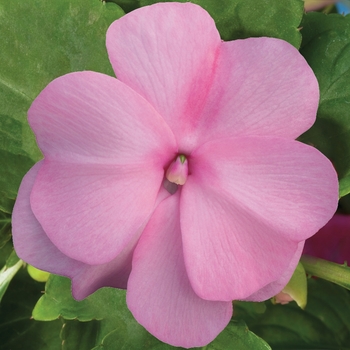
<point>91,212</point>
<point>262,86</point>
<point>159,294</point>
<point>33,246</point>
<point>88,117</point>
<point>30,241</point>
<point>275,287</point>
<point>112,274</point>
<point>245,206</point>
<point>166,52</point>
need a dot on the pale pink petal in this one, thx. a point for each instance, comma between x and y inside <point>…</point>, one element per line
<point>262,86</point>
<point>229,253</point>
<point>246,205</point>
<point>34,247</point>
<point>171,54</point>
<point>275,287</point>
<point>167,52</point>
<point>159,293</point>
<point>30,241</point>
<point>291,186</point>
<point>112,274</point>
<point>91,212</point>
<point>88,117</point>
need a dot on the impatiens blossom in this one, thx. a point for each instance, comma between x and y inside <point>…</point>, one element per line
<point>331,242</point>
<point>180,180</point>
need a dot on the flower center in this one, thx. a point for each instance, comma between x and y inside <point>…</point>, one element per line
<point>178,170</point>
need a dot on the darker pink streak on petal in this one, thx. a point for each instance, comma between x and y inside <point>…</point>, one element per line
<point>167,52</point>
<point>245,206</point>
<point>331,242</point>
<point>262,86</point>
<point>30,241</point>
<point>88,117</point>
<point>275,287</point>
<point>159,294</point>
<point>91,212</point>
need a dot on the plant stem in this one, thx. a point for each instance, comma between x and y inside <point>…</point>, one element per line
<point>336,273</point>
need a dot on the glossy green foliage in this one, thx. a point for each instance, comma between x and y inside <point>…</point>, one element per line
<point>324,324</point>
<point>326,47</point>
<point>41,40</point>
<point>117,328</point>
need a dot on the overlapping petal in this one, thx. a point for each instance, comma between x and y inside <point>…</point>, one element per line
<point>91,212</point>
<point>115,273</point>
<point>167,53</point>
<point>43,254</point>
<point>275,287</point>
<point>29,239</point>
<point>257,86</point>
<point>159,293</point>
<point>92,193</point>
<point>245,207</point>
<point>112,274</point>
<point>88,117</point>
<point>262,86</point>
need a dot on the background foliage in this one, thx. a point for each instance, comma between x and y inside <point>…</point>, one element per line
<point>41,40</point>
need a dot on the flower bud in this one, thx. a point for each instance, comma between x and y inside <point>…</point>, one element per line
<point>178,170</point>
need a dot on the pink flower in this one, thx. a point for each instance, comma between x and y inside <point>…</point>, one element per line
<point>331,242</point>
<point>99,210</point>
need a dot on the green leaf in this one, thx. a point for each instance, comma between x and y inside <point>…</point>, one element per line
<point>17,152</point>
<point>117,327</point>
<point>5,228</point>
<point>77,335</point>
<point>324,324</point>
<point>15,332</point>
<point>237,336</point>
<point>240,19</point>
<point>326,47</point>
<point>127,5</point>
<point>16,165</point>
<point>12,266</point>
<point>17,329</point>
<point>41,40</point>
<point>58,301</point>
